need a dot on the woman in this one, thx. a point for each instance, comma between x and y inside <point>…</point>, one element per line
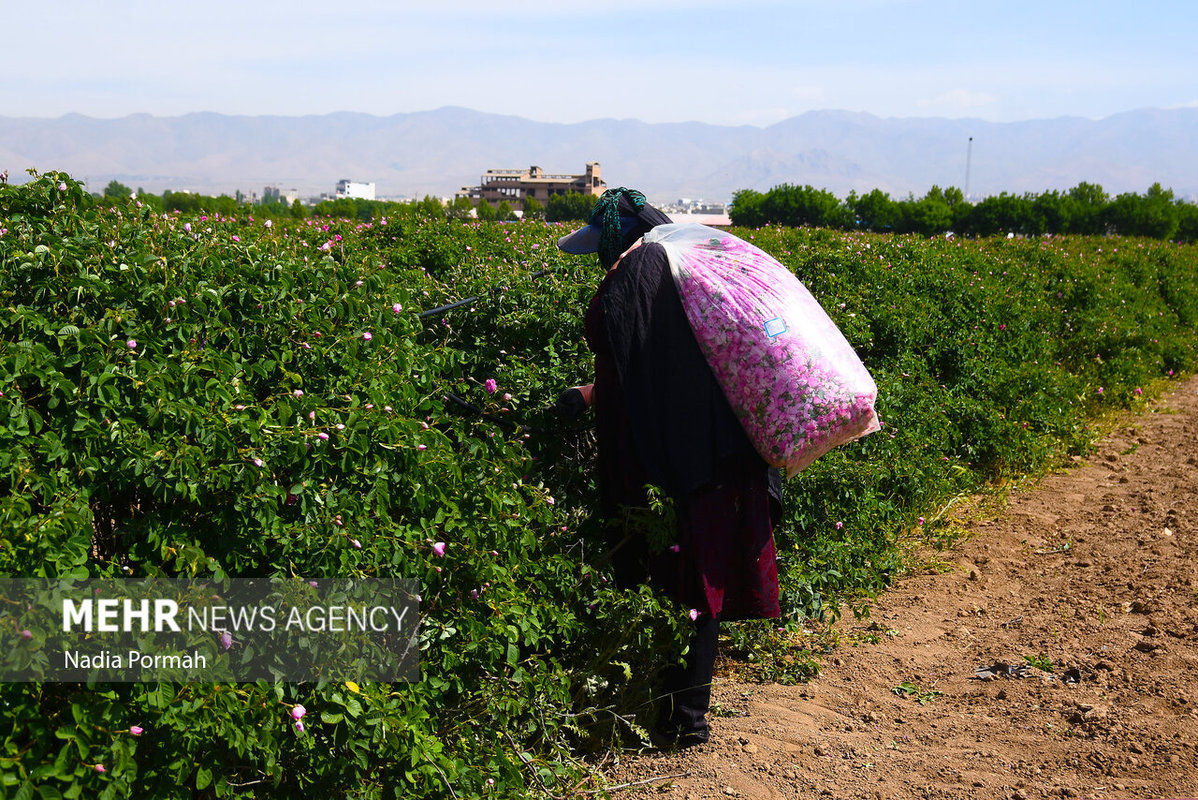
<point>662,419</point>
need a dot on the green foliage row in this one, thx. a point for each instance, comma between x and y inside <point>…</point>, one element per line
<point>169,384</point>
<point>1085,209</point>
<point>992,357</point>
<point>217,396</point>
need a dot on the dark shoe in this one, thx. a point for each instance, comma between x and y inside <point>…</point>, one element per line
<point>678,738</point>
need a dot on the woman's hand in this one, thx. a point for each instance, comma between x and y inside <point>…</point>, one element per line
<point>573,402</point>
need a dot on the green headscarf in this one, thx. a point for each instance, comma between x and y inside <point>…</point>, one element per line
<point>606,214</point>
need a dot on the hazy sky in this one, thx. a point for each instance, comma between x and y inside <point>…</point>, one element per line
<point>730,62</point>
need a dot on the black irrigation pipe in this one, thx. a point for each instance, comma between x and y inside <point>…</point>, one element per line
<point>520,427</point>
<point>503,422</point>
<point>468,300</point>
<point>498,420</point>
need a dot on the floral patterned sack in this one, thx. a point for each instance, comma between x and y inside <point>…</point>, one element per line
<point>792,379</point>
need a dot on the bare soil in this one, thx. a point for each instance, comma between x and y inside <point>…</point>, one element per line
<point>1092,573</point>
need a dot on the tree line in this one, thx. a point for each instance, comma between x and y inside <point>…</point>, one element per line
<point>1084,209</point>
<point>559,208</point>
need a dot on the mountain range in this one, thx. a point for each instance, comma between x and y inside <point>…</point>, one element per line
<point>438,152</point>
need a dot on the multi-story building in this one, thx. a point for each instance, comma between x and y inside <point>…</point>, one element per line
<point>514,185</point>
<point>355,190</point>
<point>273,194</point>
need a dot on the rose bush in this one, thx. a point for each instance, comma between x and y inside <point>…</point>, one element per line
<point>254,431</point>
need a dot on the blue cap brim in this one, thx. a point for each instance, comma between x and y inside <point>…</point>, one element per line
<point>586,239</point>
<point>582,241</point>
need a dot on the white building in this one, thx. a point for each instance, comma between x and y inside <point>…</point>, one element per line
<point>354,190</point>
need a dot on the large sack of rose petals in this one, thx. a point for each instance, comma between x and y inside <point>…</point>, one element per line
<point>792,379</point>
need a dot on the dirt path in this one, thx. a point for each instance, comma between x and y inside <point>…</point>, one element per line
<point>1094,569</point>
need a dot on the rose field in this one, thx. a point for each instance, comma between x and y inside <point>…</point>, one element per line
<point>235,396</point>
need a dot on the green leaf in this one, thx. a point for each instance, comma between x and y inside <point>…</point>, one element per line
<point>353,707</point>
<point>63,765</point>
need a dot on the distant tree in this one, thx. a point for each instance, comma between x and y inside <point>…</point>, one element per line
<point>1003,213</point>
<point>1051,213</point>
<point>151,200</point>
<point>339,208</point>
<point>533,208</point>
<point>183,202</point>
<point>485,211</point>
<point>115,190</point>
<point>274,207</point>
<point>952,195</point>
<point>1155,214</point>
<point>930,215</point>
<point>505,212</point>
<point>1187,222</point>
<point>1087,207</point>
<point>874,211</point>
<point>297,209</point>
<point>460,208</point>
<point>569,207</point>
<point>804,205</point>
<point>224,205</point>
<point>746,209</point>
<point>429,207</point>
<point>958,208</point>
